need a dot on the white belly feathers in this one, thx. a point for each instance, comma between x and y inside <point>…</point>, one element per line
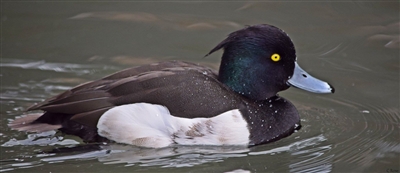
<point>150,125</point>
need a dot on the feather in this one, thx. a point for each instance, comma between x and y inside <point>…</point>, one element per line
<point>26,123</point>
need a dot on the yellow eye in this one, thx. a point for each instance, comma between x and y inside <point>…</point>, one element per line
<point>276,57</point>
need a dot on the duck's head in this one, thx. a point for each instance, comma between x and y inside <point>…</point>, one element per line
<point>260,60</point>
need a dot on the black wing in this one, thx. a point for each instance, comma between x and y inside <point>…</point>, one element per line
<point>186,89</point>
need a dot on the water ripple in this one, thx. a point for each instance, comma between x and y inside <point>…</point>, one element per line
<point>294,146</point>
<point>40,139</point>
<point>310,154</point>
<point>369,133</point>
<point>27,91</point>
<point>49,66</point>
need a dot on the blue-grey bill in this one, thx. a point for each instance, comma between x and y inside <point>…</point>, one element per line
<point>301,79</point>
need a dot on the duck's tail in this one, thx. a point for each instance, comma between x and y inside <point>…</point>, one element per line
<point>27,123</point>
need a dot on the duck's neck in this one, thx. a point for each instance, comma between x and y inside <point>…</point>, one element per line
<point>242,75</point>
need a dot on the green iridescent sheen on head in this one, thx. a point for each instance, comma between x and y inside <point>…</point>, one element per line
<point>247,67</point>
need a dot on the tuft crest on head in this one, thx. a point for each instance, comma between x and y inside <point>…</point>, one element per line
<point>254,32</point>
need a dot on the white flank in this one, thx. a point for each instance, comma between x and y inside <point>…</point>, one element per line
<point>150,125</point>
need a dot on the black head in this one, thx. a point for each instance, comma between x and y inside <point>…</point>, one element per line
<point>257,61</point>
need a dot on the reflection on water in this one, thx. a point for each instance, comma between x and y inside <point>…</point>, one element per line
<point>313,159</point>
<point>41,139</point>
<point>179,156</point>
<point>48,48</point>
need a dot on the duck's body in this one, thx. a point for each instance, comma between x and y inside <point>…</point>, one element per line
<point>176,102</point>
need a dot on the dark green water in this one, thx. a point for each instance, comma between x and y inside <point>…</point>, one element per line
<point>50,46</point>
